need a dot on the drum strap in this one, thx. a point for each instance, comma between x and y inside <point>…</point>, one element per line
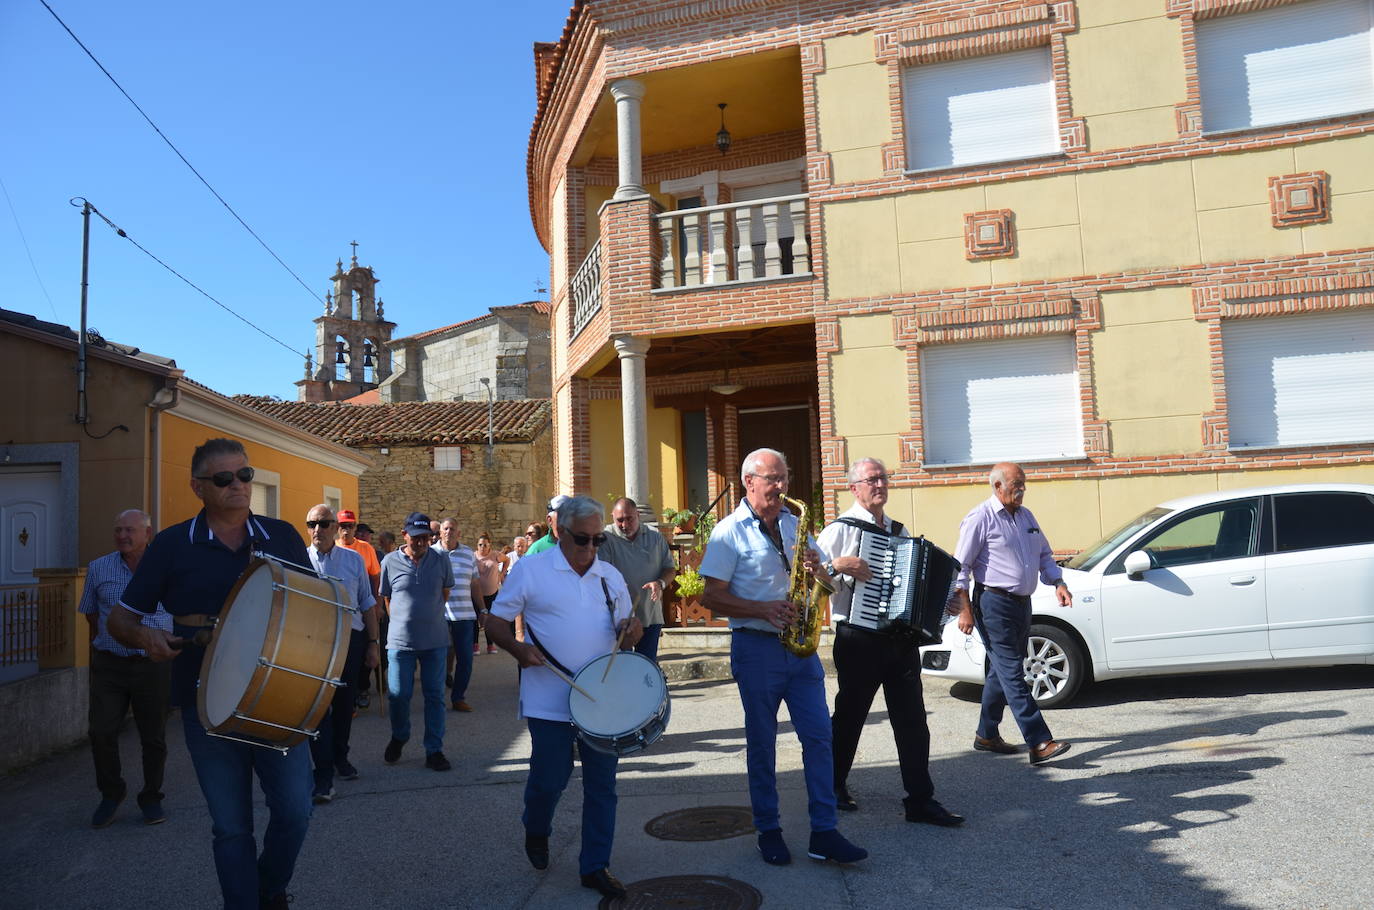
<point>529,633</point>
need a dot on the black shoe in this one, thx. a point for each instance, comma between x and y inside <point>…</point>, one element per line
<point>346,771</point>
<point>322,795</point>
<point>152,812</point>
<point>831,845</point>
<point>393,751</point>
<point>774,848</point>
<point>435,761</point>
<point>602,880</point>
<point>844,801</point>
<point>932,813</point>
<point>105,812</point>
<point>276,902</point>
<point>537,849</point>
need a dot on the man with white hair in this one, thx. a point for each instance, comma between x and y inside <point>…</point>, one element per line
<point>866,659</point>
<point>1002,549</point>
<point>574,606</point>
<point>747,569</point>
<point>122,678</point>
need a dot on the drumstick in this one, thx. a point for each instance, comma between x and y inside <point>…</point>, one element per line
<point>623,630</point>
<point>568,679</point>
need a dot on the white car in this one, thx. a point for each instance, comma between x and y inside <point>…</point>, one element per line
<point>1238,580</point>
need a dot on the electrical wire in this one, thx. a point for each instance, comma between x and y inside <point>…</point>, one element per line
<point>120,231</point>
<point>24,240</point>
<point>183,158</point>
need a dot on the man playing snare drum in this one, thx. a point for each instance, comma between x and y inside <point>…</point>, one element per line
<point>574,606</point>
<point>190,568</point>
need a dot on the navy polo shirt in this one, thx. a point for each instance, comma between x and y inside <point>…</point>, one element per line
<point>189,570</point>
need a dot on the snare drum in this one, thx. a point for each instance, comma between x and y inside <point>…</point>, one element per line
<point>631,708</point>
<point>276,656</point>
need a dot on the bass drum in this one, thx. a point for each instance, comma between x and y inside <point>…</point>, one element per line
<point>276,656</point>
<point>632,706</point>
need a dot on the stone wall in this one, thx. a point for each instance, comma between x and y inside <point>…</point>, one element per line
<point>510,348</point>
<point>502,499</point>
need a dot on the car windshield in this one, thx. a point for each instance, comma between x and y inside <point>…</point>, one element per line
<point>1104,547</point>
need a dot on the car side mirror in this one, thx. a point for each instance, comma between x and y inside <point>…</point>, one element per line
<point>1137,564</point>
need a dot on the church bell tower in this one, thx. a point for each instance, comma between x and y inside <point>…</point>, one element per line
<point>351,338</point>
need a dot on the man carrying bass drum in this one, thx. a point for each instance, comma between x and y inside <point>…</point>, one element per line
<point>575,607</point>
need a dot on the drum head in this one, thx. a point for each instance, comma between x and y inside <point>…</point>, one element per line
<point>238,644</point>
<point>632,694</point>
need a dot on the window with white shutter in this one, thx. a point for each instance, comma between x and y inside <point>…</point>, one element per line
<point>1300,380</point>
<point>990,401</point>
<point>1303,61</point>
<point>448,458</point>
<point>979,110</point>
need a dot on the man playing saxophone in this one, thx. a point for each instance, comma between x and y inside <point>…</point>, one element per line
<point>748,571</point>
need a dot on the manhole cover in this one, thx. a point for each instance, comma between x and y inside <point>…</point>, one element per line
<point>689,892</point>
<point>704,823</point>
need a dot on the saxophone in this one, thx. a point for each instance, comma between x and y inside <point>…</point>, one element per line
<point>810,598</point>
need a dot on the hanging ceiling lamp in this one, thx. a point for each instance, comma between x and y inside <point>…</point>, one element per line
<point>722,135</point>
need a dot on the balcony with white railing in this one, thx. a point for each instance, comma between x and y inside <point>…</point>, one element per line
<point>585,290</point>
<point>735,243</point>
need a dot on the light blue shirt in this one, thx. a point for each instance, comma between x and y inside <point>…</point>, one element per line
<point>347,566</point>
<point>742,554</point>
<point>106,579</point>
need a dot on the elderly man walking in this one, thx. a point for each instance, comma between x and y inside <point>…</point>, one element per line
<point>1003,550</point>
<point>642,556</point>
<point>329,749</point>
<point>122,677</point>
<point>416,582</point>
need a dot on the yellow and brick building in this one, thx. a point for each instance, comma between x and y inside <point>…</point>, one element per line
<point>1129,243</point>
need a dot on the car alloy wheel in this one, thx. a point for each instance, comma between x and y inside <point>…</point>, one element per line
<point>1055,668</point>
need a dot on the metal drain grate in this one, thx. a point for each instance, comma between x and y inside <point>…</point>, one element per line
<point>686,892</point>
<point>704,823</point>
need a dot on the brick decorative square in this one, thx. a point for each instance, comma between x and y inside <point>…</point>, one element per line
<point>989,235</point>
<point>1300,199</point>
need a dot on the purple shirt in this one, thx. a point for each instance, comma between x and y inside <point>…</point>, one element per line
<point>1003,549</point>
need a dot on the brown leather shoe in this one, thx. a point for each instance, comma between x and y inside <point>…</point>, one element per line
<point>1047,750</point>
<point>996,744</point>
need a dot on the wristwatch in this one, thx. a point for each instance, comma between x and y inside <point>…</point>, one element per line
<point>830,569</point>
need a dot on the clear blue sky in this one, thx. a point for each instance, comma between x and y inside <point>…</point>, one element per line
<point>401,125</point>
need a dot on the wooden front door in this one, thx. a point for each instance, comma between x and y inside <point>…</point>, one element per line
<point>786,428</point>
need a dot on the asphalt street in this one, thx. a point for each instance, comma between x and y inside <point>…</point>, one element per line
<point>1226,791</point>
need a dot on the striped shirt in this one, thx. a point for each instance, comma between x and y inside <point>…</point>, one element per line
<point>106,579</point>
<point>459,604</point>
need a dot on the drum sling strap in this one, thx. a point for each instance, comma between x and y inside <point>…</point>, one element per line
<point>610,606</point>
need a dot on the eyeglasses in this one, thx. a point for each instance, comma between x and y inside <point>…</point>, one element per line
<point>775,479</point>
<point>322,523</point>
<point>582,540</point>
<point>224,478</point>
<point>529,533</point>
<point>347,524</point>
<point>874,481</point>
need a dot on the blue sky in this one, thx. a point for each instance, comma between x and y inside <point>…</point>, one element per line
<point>401,125</point>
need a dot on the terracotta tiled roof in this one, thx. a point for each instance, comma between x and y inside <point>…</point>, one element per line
<point>425,422</point>
<point>371,396</point>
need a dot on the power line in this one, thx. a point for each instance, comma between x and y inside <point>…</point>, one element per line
<point>183,158</point>
<point>33,265</point>
<point>120,231</point>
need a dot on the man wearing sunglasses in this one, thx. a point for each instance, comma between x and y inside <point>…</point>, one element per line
<point>574,606</point>
<point>329,749</point>
<point>190,569</point>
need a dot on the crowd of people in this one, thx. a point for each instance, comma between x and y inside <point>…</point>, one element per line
<point>420,603</point>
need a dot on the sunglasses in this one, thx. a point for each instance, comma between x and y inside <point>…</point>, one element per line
<point>322,523</point>
<point>347,524</point>
<point>224,478</point>
<point>582,540</point>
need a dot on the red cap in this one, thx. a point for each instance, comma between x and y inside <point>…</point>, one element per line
<point>347,515</point>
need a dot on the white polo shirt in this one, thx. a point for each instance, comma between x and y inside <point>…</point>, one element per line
<point>569,616</point>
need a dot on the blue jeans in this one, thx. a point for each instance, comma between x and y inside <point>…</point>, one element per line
<point>648,645</point>
<point>225,771</point>
<point>462,632</point>
<point>400,682</point>
<point>1004,623</point>
<point>551,758</point>
<point>767,675</point>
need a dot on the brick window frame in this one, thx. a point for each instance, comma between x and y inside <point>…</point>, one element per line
<point>1031,26</point>
<point>1077,314</point>
<point>1188,114</point>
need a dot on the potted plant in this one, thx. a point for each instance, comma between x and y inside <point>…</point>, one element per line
<point>683,521</point>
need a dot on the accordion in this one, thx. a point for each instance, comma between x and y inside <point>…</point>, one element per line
<point>911,584</point>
